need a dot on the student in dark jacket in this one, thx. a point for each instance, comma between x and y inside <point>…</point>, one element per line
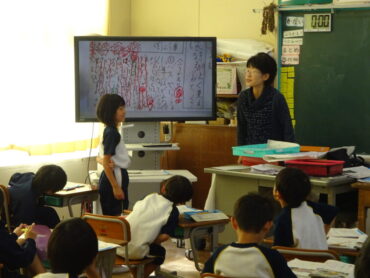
<point>26,192</point>
<point>16,253</point>
<point>262,111</point>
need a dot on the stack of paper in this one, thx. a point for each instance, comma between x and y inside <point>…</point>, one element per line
<point>268,169</point>
<point>209,216</point>
<point>346,238</point>
<point>102,245</point>
<point>182,209</point>
<point>330,268</point>
<point>358,172</point>
<point>291,156</point>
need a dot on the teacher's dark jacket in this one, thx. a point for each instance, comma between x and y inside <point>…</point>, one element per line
<point>264,118</point>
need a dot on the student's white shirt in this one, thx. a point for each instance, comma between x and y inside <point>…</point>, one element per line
<point>121,158</point>
<point>146,220</point>
<point>308,228</point>
<point>52,275</point>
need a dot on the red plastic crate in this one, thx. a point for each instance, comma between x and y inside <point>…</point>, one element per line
<point>317,167</point>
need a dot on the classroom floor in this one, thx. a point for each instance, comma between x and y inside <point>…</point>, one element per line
<point>175,261</point>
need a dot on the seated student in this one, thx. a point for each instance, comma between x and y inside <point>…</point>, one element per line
<point>362,264</point>
<point>252,219</point>
<point>16,253</point>
<point>26,191</point>
<point>154,219</point>
<point>300,223</point>
<point>72,249</point>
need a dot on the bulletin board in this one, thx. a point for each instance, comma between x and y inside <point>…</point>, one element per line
<point>325,77</point>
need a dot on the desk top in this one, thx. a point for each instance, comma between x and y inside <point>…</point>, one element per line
<point>85,188</point>
<point>140,147</point>
<point>323,181</point>
<point>361,185</point>
<point>185,223</point>
<point>141,176</point>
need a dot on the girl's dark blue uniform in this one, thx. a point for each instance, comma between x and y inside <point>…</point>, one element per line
<point>113,145</point>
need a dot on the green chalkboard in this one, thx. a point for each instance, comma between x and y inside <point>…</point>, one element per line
<point>332,82</point>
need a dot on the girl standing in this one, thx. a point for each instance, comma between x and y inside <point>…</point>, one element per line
<point>113,155</point>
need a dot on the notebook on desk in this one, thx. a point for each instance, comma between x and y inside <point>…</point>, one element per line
<point>205,215</point>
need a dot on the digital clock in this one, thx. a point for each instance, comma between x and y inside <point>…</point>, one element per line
<point>317,22</point>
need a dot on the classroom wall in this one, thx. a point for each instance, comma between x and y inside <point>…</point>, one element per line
<point>119,18</point>
<point>220,18</point>
<point>76,169</point>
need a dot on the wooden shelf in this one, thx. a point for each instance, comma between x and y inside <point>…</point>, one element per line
<point>227,96</point>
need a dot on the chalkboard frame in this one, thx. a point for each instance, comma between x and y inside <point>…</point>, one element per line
<point>351,125</point>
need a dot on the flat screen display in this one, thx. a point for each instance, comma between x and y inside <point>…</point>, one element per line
<point>160,78</point>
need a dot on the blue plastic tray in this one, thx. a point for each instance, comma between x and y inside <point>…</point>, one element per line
<point>259,150</point>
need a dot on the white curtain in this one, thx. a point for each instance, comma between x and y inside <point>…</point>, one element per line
<point>37,69</point>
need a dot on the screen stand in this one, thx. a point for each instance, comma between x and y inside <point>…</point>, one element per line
<point>140,133</point>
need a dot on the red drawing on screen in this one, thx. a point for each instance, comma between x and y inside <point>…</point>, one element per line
<point>179,94</point>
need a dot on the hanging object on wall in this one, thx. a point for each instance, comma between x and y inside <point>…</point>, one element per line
<point>268,21</point>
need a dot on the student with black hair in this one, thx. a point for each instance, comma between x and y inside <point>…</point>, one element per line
<point>153,220</point>
<point>262,112</point>
<point>252,220</point>
<point>26,195</point>
<point>72,250</point>
<point>301,223</point>
<point>113,155</point>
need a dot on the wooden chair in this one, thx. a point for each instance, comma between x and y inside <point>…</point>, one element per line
<point>314,255</point>
<point>206,275</point>
<point>114,227</point>
<point>5,205</point>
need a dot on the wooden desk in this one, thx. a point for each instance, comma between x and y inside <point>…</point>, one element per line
<point>341,251</point>
<point>193,230</point>
<point>68,198</point>
<point>228,185</point>
<point>363,202</point>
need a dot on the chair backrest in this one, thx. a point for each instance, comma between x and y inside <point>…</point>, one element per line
<point>205,275</point>
<point>115,227</point>
<point>5,205</point>
<point>314,255</point>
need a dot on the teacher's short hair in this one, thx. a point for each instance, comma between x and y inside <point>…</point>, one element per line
<point>266,64</point>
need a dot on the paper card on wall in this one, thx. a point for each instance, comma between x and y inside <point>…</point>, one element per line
<point>284,77</point>
<point>290,92</point>
<point>291,49</point>
<point>290,102</point>
<point>290,83</point>
<point>293,41</point>
<point>284,88</point>
<point>291,74</point>
<point>293,33</point>
<point>290,59</point>
<point>284,69</point>
<point>294,21</point>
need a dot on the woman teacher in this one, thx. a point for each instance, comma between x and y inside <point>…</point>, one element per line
<point>262,111</point>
